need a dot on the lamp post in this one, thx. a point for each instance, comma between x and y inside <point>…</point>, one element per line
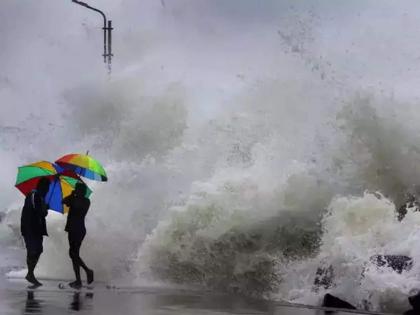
<point>107,31</point>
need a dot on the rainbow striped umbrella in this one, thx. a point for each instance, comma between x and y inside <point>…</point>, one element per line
<point>62,182</point>
<point>83,165</point>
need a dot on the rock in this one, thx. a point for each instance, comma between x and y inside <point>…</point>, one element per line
<point>414,301</point>
<point>335,302</point>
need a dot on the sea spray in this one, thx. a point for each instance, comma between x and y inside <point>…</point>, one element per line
<point>235,137</point>
<point>222,241</point>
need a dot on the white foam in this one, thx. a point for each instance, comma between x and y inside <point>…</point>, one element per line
<point>229,145</point>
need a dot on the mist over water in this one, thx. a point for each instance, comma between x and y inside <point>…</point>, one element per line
<point>245,144</point>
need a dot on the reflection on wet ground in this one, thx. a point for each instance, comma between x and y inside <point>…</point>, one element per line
<point>79,302</point>
<point>49,300</point>
<point>34,303</point>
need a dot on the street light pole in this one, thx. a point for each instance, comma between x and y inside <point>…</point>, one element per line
<point>107,30</point>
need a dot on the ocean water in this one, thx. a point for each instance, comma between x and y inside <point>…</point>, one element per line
<point>246,145</point>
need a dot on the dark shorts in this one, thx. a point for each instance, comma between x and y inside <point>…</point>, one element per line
<point>33,244</point>
<point>75,242</point>
<point>76,236</point>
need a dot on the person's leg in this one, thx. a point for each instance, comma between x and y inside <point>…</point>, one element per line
<point>29,253</point>
<point>74,254</point>
<point>30,264</point>
<point>32,261</point>
<point>78,281</point>
<point>82,263</point>
<point>34,250</point>
<point>89,272</point>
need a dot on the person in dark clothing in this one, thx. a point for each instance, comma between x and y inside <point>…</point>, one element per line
<point>75,226</point>
<point>33,226</point>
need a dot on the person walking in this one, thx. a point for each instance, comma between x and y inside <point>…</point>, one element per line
<point>76,229</point>
<point>33,226</point>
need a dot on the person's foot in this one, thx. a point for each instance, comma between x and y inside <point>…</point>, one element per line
<point>75,284</point>
<point>89,275</point>
<point>33,280</point>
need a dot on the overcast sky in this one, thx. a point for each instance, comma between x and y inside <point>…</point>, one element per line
<point>211,46</point>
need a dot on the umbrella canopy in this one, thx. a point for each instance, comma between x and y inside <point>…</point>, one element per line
<point>83,165</point>
<point>60,188</point>
<point>62,182</point>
